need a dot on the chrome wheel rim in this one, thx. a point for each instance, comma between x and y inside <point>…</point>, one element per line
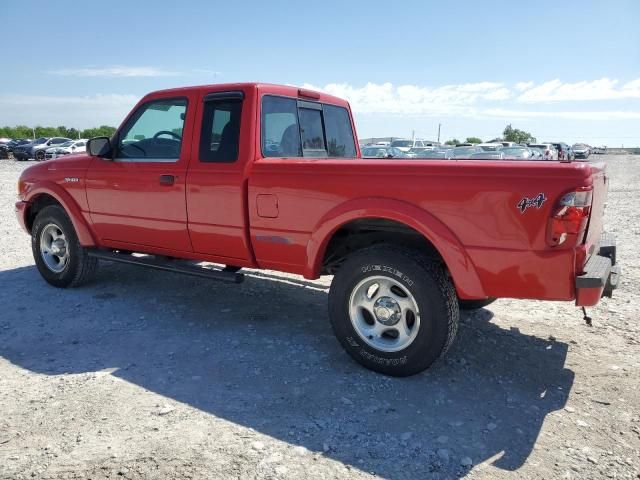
<point>54,248</point>
<point>384,313</point>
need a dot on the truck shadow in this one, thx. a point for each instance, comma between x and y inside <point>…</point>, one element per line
<point>262,355</point>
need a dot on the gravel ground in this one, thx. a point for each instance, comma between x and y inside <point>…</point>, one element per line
<point>146,374</point>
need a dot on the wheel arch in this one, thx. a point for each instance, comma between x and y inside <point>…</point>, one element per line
<point>46,195</point>
<point>414,223</point>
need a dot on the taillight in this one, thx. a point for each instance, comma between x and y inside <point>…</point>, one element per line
<point>570,217</point>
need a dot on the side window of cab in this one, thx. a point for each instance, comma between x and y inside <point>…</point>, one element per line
<point>154,132</point>
<point>300,128</point>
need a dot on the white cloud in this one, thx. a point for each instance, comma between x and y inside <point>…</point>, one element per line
<point>557,91</point>
<point>522,86</point>
<point>115,71</point>
<point>413,99</point>
<point>80,112</point>
<point>130,72</point>
<point>570,115</point>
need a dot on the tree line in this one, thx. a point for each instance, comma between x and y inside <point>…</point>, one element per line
<point>509,134</point>
<point>22,131</point>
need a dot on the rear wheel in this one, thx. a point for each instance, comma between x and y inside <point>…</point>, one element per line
<point>393,310</point>
<point>60,258</point>
<point>40,155</point>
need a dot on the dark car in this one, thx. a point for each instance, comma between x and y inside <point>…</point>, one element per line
<point>4,151</point>
<point>565,152</point>
<point>23,152</point>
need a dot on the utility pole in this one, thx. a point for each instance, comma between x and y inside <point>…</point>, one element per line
<point>439,125</point>
<point>413,135</point>
<point>34,132</point>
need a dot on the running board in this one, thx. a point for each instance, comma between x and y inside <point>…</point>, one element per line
<point>168,266</point>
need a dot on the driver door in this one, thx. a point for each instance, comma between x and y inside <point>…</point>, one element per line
<point>137,200</point>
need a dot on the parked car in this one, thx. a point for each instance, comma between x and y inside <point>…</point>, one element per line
<point>72,146</point>
<point>548,151</point>
<point>465,152</point>
<point>383,152</point>
<point>406,144</point>
<point>488,155</point>
<point>565,152</point>
<point>4,151</point>
<point>419,152</point>
<point>16,143</point>
<point>407,243</point>
<point>443,154</point>
<point>38,151</point>
<point>581,150</point>
<point>23,152</point>
<point>519,153</point>
<point>490,147</point>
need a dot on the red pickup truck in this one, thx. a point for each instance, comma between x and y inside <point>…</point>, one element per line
<point>266,176</point>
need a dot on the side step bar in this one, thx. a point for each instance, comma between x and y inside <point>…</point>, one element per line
<point>168,266</point>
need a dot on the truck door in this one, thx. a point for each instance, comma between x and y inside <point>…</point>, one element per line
<point>138,197</point>
<point>216,186</point>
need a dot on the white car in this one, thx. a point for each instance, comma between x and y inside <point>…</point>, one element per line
<point>490,146</point>
<point>67,148</point>
<point>407,144</point>
<point>548,151</point>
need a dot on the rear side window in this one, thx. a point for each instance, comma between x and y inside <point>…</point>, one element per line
<point>337,124</point>
<point>220,134</point>
<point>297,128</point>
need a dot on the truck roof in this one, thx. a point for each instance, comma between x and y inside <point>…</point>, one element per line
<point>263,88</point>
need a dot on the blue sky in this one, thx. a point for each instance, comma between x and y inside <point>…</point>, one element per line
<point>562,70</point>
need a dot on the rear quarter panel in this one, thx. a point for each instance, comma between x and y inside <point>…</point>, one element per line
<point>476,200</point>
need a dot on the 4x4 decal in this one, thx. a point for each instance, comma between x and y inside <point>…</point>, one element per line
<point>527,202</point>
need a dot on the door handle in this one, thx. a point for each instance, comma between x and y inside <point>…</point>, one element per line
<point>167,179</point>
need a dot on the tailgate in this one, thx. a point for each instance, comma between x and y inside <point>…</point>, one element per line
<point>599,197</point>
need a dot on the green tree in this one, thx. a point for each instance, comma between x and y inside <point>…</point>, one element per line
<point>473,140</point>
<point>511,134</point>
<point>453,141</point>
<point>101,131</point>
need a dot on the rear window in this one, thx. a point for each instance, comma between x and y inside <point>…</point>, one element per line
<point>299,128</point>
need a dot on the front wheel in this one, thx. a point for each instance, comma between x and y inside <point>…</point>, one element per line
<point>60,258</point>
<point>40,155</point>
<point>394,310</point>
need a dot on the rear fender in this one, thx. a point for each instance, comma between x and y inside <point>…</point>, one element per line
<point>78,219</point>
<point>446,243</point>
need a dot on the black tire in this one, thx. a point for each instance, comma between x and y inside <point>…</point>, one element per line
<point>422,278</point>
<point>39,156</point>
<point>475,304</point>
<point>79,267</point>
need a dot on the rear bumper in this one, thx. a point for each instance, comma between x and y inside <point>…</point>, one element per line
<point>601,274</point>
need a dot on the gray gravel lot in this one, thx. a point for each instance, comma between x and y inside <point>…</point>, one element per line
<point>146,374</point>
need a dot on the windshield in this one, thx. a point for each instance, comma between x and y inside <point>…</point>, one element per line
<point>402,143</point>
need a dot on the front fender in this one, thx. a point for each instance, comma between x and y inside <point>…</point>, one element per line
<point>457,260</point>
<point>78,219</point>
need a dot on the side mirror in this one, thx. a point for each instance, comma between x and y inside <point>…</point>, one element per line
<point>99,147</point>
